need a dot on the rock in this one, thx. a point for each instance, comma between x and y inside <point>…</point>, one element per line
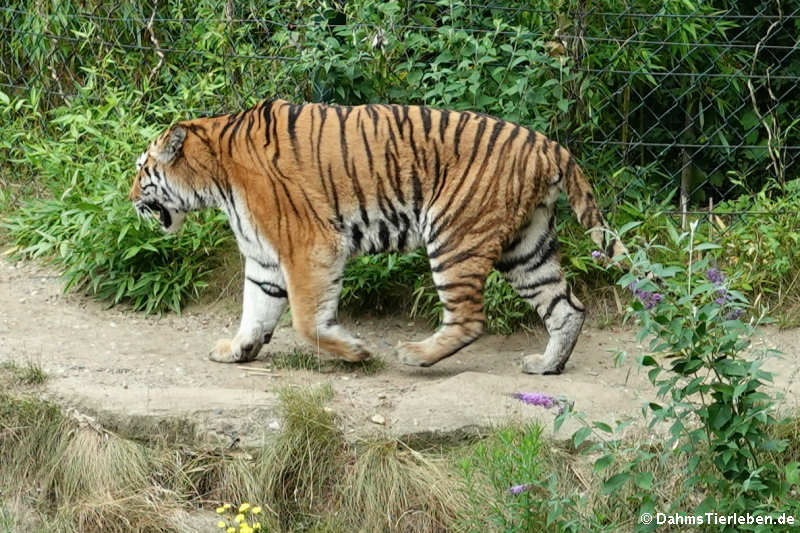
<point>470,403</point>
<point>378,419</point>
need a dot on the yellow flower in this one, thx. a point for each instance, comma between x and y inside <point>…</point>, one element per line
<point>220,510</point>
<point>230,530</point>
<point>238,518</point>
<point>244,507</point>
<point>245,529</point>
<point>221,524</point>
<point>256,509</point>
<point>257,525</point>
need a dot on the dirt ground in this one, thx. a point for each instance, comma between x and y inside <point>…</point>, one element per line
<point>130,370</point>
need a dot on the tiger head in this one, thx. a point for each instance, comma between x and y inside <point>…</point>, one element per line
<point>162,184</point>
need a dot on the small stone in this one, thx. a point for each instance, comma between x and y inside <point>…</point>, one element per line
<point>378,419</point>
<point>274,425</point>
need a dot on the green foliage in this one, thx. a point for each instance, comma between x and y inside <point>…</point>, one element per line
<point>509,458</point>
<point>764,248</point>
<point>88,226</point>
<point>7,521</point>
<point>378,282</point>
<point>713,402</point>
<point>383,282</point>
<point>676,80</point>
<point>720,446</point>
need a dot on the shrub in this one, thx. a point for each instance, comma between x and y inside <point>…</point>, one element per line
<point>713,405</point>
<point>763,248</point>
<point>89,227</point>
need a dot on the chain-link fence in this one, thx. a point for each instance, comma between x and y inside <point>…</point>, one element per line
<point>706,99</point>
<point>693,102</point>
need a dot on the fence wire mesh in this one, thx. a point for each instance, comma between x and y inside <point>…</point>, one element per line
<point>693,102</point>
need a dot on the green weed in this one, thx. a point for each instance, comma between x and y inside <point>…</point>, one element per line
<point>295,360</point>
<point>305,360</point>
<point>368,367</point>
<point>29,374</point>
<point>510,457</point>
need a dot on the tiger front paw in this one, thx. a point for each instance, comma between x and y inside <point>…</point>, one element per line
<point>228,351</point>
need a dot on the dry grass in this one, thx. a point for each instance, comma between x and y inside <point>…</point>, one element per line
<point>81,477</point>
<point>390,487</point>
<point>305,460</point>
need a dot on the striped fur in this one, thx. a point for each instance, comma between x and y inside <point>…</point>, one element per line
<point>307,186</point>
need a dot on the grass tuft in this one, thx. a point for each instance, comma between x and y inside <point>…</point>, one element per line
<point>306,457</point>
<point>390,487</point>
<point>368,367</point>
<point>29,374</point>
<point>304,360</point>
<point>295,360</point>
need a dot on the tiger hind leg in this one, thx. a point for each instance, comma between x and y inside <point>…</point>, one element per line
<point>459,278</point>
<point>530,263</point>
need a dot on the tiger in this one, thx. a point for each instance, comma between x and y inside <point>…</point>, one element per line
<point>307,186</point>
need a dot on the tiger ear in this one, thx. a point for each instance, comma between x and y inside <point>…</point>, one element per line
<point>169,145</point>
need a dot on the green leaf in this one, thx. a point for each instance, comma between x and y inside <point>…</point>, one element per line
<point>603,427</point>
<point>615,482</point>
<point>629,226</point>
<point>707,246</point>
<point>793,473</point>
<point>579,436</point>
<point>648,360</point>
<point>578,264</point>
<point>644,480</point>
<point>603,462</point>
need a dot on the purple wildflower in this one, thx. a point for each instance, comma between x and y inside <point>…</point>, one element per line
<point>649,299</point>
<point>597,254</point>
<point>519,489</point>
<point>734,314</point>
<point>715,276</point>
<point>536,398</point>
<point>656,297</point>
<point>722,296</point>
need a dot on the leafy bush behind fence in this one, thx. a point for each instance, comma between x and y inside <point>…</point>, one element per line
<point>670,105</point>
<point>650,94</point>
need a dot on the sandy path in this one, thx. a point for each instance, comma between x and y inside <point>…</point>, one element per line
<point>129,369</point>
